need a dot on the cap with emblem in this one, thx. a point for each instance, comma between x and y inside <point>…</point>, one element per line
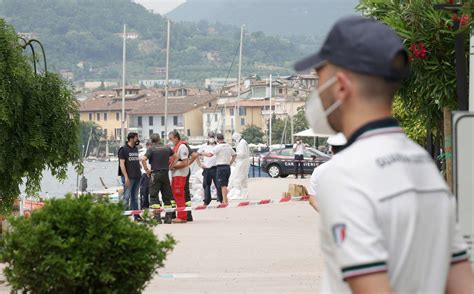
<point>361,45</point>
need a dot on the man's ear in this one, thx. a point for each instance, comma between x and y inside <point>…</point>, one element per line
<point>344,87</point>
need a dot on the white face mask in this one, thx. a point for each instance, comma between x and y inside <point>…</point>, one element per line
<point>212,140</point>
<point>316,116</point>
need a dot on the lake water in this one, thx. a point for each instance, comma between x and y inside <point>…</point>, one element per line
<point>93,171</point>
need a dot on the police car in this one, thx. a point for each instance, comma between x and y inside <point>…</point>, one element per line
<point>281,162</point>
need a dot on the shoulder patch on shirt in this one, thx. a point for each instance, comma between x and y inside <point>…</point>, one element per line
<point>339,233</point>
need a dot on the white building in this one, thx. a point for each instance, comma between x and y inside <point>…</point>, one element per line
<point>217,83</point>
<point>212,120</point>
<point>160,83</point>
<point>184,115</point>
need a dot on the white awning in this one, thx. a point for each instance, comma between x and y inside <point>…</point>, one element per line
<point>310,133</point>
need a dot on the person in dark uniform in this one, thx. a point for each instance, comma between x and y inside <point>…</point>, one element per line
<point>129,170</point>
<point>158,156</point>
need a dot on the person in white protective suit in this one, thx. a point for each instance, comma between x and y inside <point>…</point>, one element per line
<point>240,172</point>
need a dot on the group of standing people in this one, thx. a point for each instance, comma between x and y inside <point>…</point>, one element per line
<point>217,158</point>
<point>151,172</point>
<point>160,162</point>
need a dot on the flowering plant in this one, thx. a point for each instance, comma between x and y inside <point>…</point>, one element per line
<point>429,37</point>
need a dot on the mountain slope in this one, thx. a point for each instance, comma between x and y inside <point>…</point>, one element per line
<point>282,17</point>
<point>88,33</point>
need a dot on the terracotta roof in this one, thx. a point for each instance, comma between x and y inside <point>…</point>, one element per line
<point>156,105</point>
<point>109,104</point>
<point>147,101</point>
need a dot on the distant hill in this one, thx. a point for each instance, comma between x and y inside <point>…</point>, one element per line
<point>283,17</point>
<point>84,36</point>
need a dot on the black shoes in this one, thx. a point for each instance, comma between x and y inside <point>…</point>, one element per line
<point>168,217</point>
<point>190,217</point>
<point>137,218</point>
<point>158,218</point>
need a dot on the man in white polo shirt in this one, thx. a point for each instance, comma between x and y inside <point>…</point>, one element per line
<point>209,169</point>
<point>388,220</point>
<point>336,143</point>
<point>225,156</point>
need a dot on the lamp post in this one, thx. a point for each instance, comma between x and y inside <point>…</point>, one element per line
<point>124,62</point>
<point>29,43</point>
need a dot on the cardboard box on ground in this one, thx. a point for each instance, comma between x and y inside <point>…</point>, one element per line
<point>295,190</point>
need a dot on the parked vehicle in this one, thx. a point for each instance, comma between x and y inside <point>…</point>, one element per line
<point>280,162</point>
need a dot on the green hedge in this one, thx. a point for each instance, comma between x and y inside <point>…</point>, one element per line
<point>76,245</point>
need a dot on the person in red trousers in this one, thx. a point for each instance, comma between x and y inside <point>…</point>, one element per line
<point>179,167</point>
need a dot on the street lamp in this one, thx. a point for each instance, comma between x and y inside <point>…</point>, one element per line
<point>29,43</point>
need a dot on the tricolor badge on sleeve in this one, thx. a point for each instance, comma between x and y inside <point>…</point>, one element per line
<point>339,233</point>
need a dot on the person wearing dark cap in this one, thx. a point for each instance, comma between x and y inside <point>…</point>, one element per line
<point>209,169</point>
<point>225,156</point>
<point>382,201</point>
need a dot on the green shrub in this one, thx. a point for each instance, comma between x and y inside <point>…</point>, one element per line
<point>81,246</point>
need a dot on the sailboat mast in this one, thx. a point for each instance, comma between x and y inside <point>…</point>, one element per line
<point>237,109</point>
<point>122,129</point>
<point>167,76</point>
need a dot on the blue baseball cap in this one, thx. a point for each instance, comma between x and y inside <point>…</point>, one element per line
<point>362,45</point>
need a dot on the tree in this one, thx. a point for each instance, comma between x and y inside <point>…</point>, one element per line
<point>253,134</point>
<point>299,120</point>
<point>432,84</point>
<point>281,128</point>
<point>92,130</point>
<point>39,122</point>
<point>91,34</point>
<point>281,131</point>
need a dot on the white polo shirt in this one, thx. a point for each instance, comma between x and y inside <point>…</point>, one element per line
<point>183,154</point>
<point>223,153</point>
<point>208,161</point>
<point>299,148</point>
<point>315,176</point>
<point>385,208</point>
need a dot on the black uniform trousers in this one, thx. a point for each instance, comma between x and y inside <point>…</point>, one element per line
<point>210,176</point>
<point>160,182</point>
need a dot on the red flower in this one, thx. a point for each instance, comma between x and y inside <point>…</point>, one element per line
<point>418,50</point>
<point>464,20</point>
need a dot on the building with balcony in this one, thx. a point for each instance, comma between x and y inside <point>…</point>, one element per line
<point>184,115</point>
<point>105,109</point>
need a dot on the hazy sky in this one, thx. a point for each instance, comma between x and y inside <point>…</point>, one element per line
<point>161,6</point>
